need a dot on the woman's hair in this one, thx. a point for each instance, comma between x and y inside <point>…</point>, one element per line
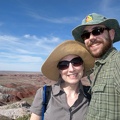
<point>60,80</point>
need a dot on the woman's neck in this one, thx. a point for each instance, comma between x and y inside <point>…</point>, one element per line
<point>72,93</point>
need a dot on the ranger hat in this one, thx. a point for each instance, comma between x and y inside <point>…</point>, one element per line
<point>94,19</point>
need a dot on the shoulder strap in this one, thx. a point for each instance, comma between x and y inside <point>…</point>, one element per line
<point>86,92</point>
<point>46,97</point>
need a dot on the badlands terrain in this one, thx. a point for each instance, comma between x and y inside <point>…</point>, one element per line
<point>19,88</point>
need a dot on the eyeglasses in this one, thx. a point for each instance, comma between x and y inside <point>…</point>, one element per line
<point>62,65</point>
<point>96,31</point>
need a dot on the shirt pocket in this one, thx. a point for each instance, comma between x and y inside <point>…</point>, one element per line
<point>99,95</point>
<point>98,101</point>
<point>98,88</point>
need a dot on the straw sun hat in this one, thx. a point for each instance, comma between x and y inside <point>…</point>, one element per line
<point>95,19</point>
<point>49,68</point>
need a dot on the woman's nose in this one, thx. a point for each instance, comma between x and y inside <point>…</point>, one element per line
<point>71,67</point>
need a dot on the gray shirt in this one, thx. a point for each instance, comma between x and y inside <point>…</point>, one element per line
<point>57,108</point>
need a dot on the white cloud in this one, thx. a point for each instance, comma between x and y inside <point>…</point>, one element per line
<point>54,20</point>
<point>28,44</point>
<point>20,66</point>
<point>18,58</point>
<point>19,53</point>
<point>27,58</point>
<point>28,36</point>
<point>8,38</point>
<point>48,40</point>
<point>22,51</point>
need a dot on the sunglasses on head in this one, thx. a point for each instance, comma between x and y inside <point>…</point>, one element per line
<point>96,31</point>
<point>62,65</point>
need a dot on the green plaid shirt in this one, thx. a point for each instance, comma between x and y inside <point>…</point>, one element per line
<point>105,102</point>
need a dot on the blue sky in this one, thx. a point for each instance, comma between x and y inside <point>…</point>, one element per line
<point>31,29</point>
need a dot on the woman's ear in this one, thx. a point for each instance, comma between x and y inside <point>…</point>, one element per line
<point>112,34</point>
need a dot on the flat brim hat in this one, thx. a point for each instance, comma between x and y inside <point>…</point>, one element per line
<point>49,67</point>
<point>94,19</point>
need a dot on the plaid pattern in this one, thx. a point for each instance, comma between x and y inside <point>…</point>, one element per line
<point>105,102</point>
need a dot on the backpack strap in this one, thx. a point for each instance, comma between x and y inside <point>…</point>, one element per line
<point>46,97</point>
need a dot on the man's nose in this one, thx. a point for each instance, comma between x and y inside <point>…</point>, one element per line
<point>92,38</point>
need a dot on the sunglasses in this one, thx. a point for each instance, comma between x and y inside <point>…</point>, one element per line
<point>62,65</point>
<point>96,31</point>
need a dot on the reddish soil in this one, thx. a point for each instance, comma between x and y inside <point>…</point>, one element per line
<point>15,86</point>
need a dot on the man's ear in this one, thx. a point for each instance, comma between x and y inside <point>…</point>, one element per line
<point>112,34</point>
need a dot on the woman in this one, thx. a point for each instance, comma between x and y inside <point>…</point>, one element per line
<point>67,64</point>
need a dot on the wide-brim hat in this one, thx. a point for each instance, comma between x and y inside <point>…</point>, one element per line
<point>93,19</point>
<point>49,67</point>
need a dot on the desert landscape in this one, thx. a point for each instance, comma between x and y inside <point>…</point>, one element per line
<point>17,89</point>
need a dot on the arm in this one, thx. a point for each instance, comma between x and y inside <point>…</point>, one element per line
<point>116,73</point>
<point>35,117</point>
<point>36,107</point>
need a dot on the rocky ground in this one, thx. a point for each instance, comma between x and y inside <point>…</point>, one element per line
<point>19,86</point>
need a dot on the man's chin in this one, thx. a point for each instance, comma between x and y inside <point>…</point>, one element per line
<point>95,54</point>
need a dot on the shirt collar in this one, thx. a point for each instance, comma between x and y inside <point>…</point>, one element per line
<point>106,56</point>
<point>57,89</point>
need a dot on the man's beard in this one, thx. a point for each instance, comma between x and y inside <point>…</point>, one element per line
<point>106,46</point>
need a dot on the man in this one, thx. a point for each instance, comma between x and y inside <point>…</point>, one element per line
<point>98,34</point>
